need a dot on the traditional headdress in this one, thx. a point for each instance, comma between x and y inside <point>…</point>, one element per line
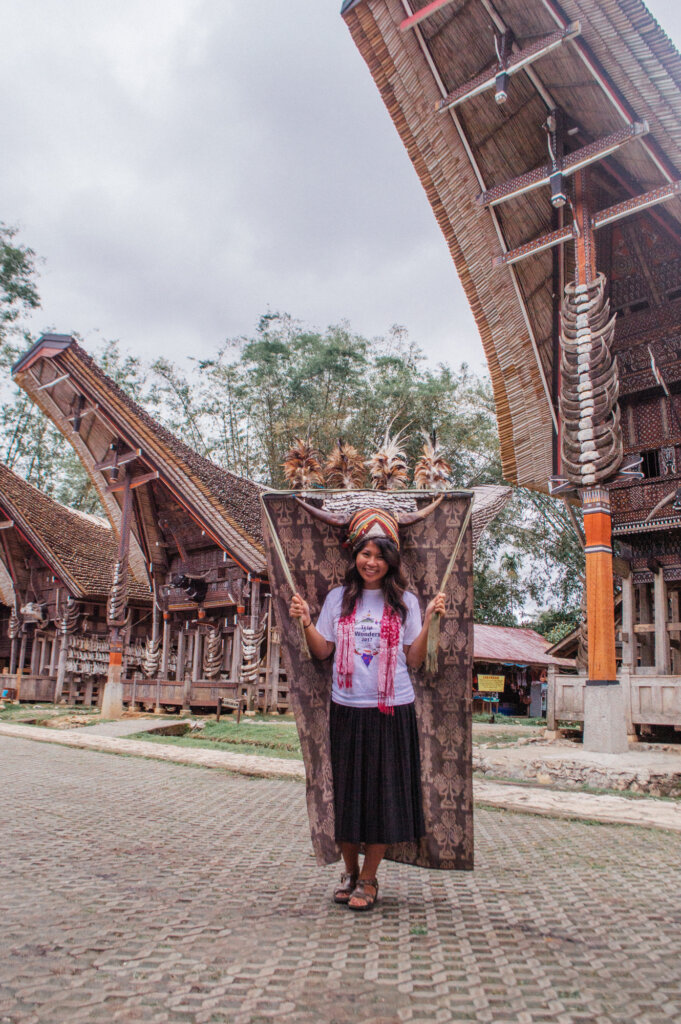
<point>372,522</point>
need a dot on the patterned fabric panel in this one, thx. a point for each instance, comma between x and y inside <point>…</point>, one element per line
<point>317,559</point>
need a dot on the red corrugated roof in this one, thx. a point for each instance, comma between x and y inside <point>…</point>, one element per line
<point>506,643</point>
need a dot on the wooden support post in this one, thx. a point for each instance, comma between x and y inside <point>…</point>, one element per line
<point>645,616</point>
<point>662,650</point>
<point>54,655</point>
<point>600,600</point>
<point>165,656</point>
<point>22,659</point>
<point>61,669</point>
<point>551,699</point>
<point>267,690</point>
<point>35,654</point>
<point>604,718</point>
<point>181,645</point>
<point>629,656</point>
<point>43,656</point>
<point>87,694</point>
<point>255,603</point>
<point>675,635</point>
<point>13,651</point>
<point>275,662</point>
<point>197,668</point>
<point>235,671</point>
<point>112,699</point>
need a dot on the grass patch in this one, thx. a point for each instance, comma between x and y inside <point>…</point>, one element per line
<point>491,741</point>
<point>18,713</point>
<point>508,720</point>
<point>266,737</point>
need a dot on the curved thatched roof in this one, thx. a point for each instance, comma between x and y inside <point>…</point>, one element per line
<point>80,549</point>
<point>226,505</point>
<point>621,68</point>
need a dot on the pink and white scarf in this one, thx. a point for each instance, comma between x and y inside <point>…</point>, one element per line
<point>387,655</point>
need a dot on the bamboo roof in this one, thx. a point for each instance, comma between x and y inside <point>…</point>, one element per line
<point>79,549</point>
<point>58,374</point>
<point>621,68</point>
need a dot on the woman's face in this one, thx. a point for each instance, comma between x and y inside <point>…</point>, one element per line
<point>371,565</point>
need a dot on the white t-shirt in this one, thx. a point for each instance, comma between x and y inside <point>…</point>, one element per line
<point>364,690</point>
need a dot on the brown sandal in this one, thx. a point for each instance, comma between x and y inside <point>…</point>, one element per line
<point>362,894</point>
<point>345,890</point>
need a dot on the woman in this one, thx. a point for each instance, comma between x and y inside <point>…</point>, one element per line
<point>375,627</point>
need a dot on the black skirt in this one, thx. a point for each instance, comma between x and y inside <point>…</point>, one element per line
<point>376,775</point>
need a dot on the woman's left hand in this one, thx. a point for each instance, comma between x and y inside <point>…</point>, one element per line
<point>436,606</point>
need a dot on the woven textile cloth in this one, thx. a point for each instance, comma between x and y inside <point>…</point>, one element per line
<point>317,559</point>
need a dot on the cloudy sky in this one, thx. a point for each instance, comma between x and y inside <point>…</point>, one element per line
<point>182,166</point>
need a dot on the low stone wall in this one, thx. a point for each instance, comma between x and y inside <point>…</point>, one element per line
<point>572,774</point>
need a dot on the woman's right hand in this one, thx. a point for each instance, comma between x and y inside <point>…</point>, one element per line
<point>299,609</point>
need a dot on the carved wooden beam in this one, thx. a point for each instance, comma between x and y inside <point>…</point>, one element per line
<point>570,164</point>
<point>489,79</point>
<point>599,220</point>
<point>132,482</point>
<point>115,459</point>
<point>55,380</point>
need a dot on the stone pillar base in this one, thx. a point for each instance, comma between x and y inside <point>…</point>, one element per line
<point>112,700</point>
<point>605,730</point>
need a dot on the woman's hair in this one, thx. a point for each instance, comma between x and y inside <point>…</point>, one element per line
<point>393,583</point>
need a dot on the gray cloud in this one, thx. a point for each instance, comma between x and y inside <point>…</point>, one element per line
<point>184,165</point>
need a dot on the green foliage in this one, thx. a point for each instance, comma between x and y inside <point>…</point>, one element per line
<point>18,293</point>
<point>243,408</point>
<point>557,623</point>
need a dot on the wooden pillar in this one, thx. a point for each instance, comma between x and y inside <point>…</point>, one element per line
<point>87,694</point>
<point>197,667</point>
<point>35,654</point>
<point>551,699</point>
<point>629,657</point>
<point>275,661</point>
<point>20,664</point>
<point>604,718</point>
<point>267,691</point>
<point>675,634</point>
<point>645,617</point>
<point>22,654</point>
<point>43,656</point>
<point>181,644</point>
<point>600,599</point>
<point>61,670</point>
<point>165,655</point>
<point>662,652</point>
<point>255,603</point>
<point>112,699</point>
<point>235,671</point>
<point>13,652</point>
<point>54,655</point>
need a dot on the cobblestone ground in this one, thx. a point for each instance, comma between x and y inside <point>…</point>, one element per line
<point>138,891</point>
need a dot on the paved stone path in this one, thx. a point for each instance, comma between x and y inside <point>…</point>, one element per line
<point>529,799</point>
<point>140,892</point>
<point>126,726</point>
